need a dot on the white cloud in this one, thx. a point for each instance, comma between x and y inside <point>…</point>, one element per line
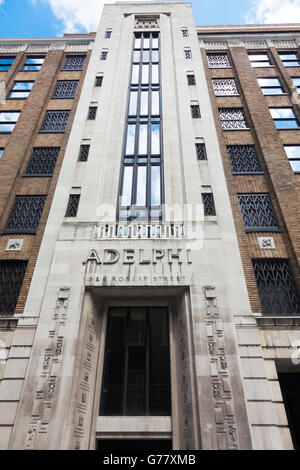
<point>274,11</point>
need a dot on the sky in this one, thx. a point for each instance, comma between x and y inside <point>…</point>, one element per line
<point>45,18</point>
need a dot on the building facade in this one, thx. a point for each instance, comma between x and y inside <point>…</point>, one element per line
<point>160,305</point>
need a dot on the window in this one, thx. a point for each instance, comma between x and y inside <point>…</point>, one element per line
<point>195,110</point>
<point>225,87</point>
<point>12,274</point>
<point>8,120</point>
<point>276,286</point>
<point>296,83</point>
<point>33,63</point>
<point>188,53</point>
<point>65,89</point>
<point>209,204</point>
<point>136,376</point>
<point>6,63</point>
<point>185,32</point>
<point>103,55</point>
<point>25,215</point>
<point>289,59</point>
<point>55,122</point>
<point>20,90</point>
<point>260,59</point>
<point>270,86</point>
<point>141,186</point>
<point>92,113</point>
<point>293,154</point>
<point>84,153</point>
<point>233,118</point>
<point>201,151</point>
<point>243,160</point>
<point>258,213</point>
<point>74,62</point>
<point>73,205</point>
<point>42,161</point>
<point>191,79</point>
<point>108,34</point>
<point>284,118</point>
<point>1,152</point>
<point>218,61</point>
<point>99,80</point>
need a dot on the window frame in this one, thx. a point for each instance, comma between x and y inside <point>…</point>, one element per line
<point>38,66</point>
<point>9,97</point>
<point>294,119</point>
<point>2,123</point>
<point>270,87</point>
<point>260,61</point>
<point>289,61</point>
<point>296,86</point>
<point>293,159</point>
<point>3,65</point>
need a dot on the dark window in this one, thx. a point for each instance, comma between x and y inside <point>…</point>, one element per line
<point>209,204</point>
<point>84,153</point>
<point>136,378</point>
<point>218,61</point>
<point>73,205</point>
<point>290,59</point>
<point>20,90</point>
<point>1,152</point>
<point>92,113</point>
<point>65,89</point>
<point>290,388</point>
<point>103,55</point>
<point>188,53</point>
<point>243,160</point>
<point>225,87</point>
<point>11,279</point>
<point>284,118</point>
<point>8,120</point>
<point>195,109</point>
<point>258,213</point>
<point>25,215</point>
<point>201,151</point>
<point>259,59</point>
<point>293,154</point>
<point>33,63</point>
<point>99,80</point>
<point>296,83</point>
<point>42,161</point>
<point>6,63</point>
<point>270,86</point>
<point>55,122</point>
<point>191,80</point>
<point>276,286</point>
<point>185,32</point>
<point>108,34</point>
<point>233,118</point>
<point>74,62</point>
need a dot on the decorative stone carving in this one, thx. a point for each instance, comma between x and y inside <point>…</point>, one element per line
<point>147,22</point>
<point>266,243</point>
<point>15,244</point>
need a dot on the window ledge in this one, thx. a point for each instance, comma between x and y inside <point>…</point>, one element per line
<point>233,130</point>
<point>263,229</point>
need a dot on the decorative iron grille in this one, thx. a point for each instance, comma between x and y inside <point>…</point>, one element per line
<point>25,215</point>
<point>195,111</point>
<point>98,81</point>
<point>73,205</point>
<point>191,80</point>
<point>65,89</point>
<point>92,113</point>
<point>185,33</point>
<point>103,55</point>
<point>218,61</point>
<point>225,86</point>
<point>188,53</point>
<point>201,151</point>
<point>12,274</point>
<point>74,62</point>
<point>108,34</point>
<point>276,286</point>
<point>233,118</point>
<point>258,213</point>
<point>243,160</point>
<point>42,161</point>
<point>84,153</point>
<point>55,122</point>
<point>209,204</point>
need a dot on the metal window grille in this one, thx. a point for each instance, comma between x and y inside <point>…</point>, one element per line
<point>92,113</point>
<point>12,274</point>
<point>42,161</point>
<point>201,151</point>
<point>191,80</point>
<point>99,81</point>
<point>225,87</point>
<point>73,205</point>
<point>65,89</point>
<point>209,204</point>
<point>243,159</point>
<point>218,61</point>
<point>276,286</point>
<point>232,118</point>
<point>258,212</point>
<point>185,33</point>
<point>108,34</point>
<point>188,53</point>
<point>84,153</point>
<point>25,215</point>
<point>74,62</point>
<point>103,55</point>
<point>195,109</point>
<point>55,122</point>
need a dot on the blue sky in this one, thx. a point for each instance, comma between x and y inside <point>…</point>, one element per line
<point>42,18</point>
